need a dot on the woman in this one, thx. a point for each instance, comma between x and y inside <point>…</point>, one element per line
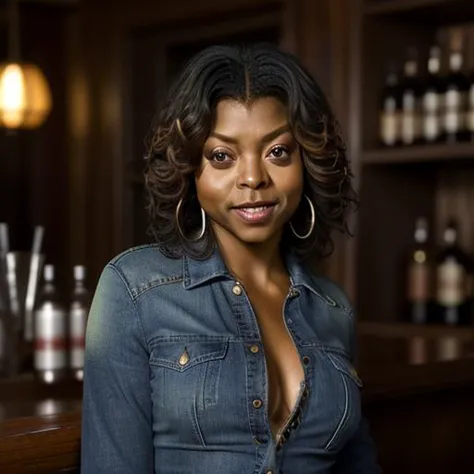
<point>215,350</point>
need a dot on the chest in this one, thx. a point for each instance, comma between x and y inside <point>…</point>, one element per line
<point>284,373</point>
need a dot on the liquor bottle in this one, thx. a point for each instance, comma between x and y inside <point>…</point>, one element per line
<point>411,98</point>
<point>390,110</point>
<point>451,280</point>
<point>419,287</point>
<point>78,312</point>
<point>432,98</point>
<point>50,336</point>
<point>470,108</point>
<point>456,95</point>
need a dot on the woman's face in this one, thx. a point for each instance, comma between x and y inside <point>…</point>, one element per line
<point>250,180</point>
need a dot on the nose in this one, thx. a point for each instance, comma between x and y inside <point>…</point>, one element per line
<point>252,173</point>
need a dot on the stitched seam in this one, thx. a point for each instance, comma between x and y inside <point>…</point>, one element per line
<point>156,284</point>
<point>343,420</point>
<point>125,284</point>
<point>197,428</point>
<point>133,250</point>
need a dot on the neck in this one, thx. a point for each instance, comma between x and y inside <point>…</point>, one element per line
<point>251,263</point>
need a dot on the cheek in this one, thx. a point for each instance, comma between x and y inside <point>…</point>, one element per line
<point>212,187</point>
<point>290,182</point>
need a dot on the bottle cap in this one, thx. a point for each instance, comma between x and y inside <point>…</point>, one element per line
<point>79,272</point>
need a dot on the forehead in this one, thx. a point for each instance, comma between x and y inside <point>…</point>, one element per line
<point>258,116</point>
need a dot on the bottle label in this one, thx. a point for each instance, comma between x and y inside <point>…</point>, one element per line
<point>50,338</point>
<point>409,127</point>
<point>431,102</point>
<point>77,331</point>
<point>431,117</point>
<point>451,282</point>
<point>418,282</point>
<point>389,127</point>
<point>454,111</point>
<point>431,127</point>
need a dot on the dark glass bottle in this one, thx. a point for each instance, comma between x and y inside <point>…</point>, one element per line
<point>452,280</point>
<point>456,95</point>
<point>419,274</point>
<point>470,107</point>
<point>411,91</point>
<point>390,109</point>
<point>432,99</point>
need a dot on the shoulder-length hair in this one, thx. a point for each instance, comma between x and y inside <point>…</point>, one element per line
<point>245,73</point>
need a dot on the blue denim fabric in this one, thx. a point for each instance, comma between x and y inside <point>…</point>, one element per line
<point>170,379</point>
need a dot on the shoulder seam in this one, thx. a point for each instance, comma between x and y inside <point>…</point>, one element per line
<point>117,259</point>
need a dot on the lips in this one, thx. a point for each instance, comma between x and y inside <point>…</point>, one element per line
<point>256,213</point>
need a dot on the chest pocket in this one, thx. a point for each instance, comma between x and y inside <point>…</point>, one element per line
<point>186,371</point>
<point>349,411</point>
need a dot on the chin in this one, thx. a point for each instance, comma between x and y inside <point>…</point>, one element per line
<point>256,235</point>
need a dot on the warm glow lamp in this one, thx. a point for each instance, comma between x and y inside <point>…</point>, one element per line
<point>25,98</point>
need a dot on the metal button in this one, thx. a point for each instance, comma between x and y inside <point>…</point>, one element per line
<point>306,360</point>
<point>257,403</point>
<point>254,349</point>
<point>184,359</point>
<point>237,290</point>
<point>294,293</point>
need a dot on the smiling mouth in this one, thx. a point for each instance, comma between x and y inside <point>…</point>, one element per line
<point>255,214</point>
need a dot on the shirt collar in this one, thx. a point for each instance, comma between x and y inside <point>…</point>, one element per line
<point>197,272</point>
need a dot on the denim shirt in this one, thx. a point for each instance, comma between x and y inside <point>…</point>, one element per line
<point>175,375</point>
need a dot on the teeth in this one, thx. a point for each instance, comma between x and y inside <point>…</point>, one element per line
<point>254,209</point>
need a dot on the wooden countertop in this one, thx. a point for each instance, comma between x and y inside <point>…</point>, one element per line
<point>40,425</point>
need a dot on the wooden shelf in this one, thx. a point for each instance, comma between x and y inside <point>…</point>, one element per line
<point>406,331</point>
<point>420,154</point>
<point>439,11</point>
<point>379,7</point>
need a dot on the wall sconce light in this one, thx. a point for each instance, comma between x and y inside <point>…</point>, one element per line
<point>25,97</point>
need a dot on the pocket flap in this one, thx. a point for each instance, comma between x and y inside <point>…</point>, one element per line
<point>343,364</point>
<point>182,355</point>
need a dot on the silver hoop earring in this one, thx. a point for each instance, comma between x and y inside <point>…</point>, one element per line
<point>311,227</point>
<point>203,227</point>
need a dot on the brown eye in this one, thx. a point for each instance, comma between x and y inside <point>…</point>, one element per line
<point>220,158</point>
<point>279,152</point>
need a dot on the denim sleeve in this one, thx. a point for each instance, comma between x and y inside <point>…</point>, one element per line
<point>116,414</point>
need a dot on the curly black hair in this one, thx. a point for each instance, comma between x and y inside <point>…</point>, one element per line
<point>245,73</point>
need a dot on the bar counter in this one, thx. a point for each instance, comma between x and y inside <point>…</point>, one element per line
<point>421,412</point>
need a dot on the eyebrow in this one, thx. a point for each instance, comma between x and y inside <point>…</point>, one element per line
<point>265,139</point>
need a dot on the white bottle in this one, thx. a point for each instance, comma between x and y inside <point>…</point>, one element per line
<point>50,335</point>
